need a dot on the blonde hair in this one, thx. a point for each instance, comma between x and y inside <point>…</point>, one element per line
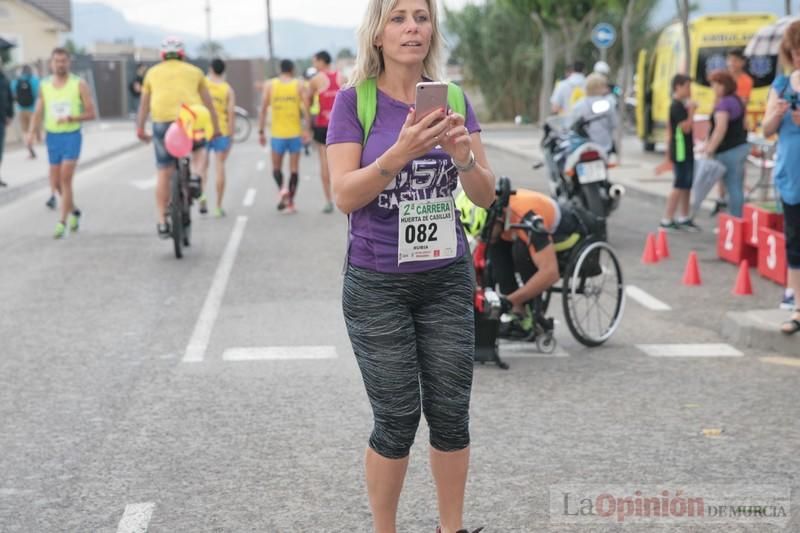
<point>369,59</point>
<point>790,41</point>
<point>596,85</point>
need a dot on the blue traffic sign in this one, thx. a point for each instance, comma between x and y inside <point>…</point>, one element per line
<point>604,35</point>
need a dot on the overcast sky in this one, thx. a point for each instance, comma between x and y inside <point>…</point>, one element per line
<point>234,17</point>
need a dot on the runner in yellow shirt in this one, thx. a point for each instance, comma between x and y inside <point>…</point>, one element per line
<point>224,104</point>
<point>64,103</point>
<point>286,97</point>
<point>168,86</point>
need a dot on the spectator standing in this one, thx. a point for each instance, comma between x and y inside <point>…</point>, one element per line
<point>728,141</point>
<point>744,83</point>
<point>744,87</point>
<point>136,84</point>
<point>25,90</point>
<point>681,153</point>
<point>783,118</point>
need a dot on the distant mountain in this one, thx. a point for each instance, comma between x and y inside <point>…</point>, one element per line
<point>294,39</point>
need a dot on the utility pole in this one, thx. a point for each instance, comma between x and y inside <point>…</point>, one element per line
<point>270,48</point>
<point>209,51</point>
<point>788,5</point>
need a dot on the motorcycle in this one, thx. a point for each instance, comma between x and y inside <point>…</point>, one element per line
<point>578,167</point>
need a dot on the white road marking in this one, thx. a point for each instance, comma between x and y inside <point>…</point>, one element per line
<point>143,185</point>
<point>261,165</point>
<point>249,198</point>
<point>645,299</point>
<point>283,353</point>
<point>196,349</point>
<point>136,518</point>
<point>779,360</point>
<point>689,350</point>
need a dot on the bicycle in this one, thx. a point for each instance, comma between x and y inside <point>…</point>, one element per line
<point>592,286</point>
<point>180,207</point>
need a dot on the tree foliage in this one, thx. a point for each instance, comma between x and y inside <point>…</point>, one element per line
<point>504,45</point>
<point>498,51</point>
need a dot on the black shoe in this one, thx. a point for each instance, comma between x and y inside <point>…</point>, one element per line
<point>163,231</point>
<point>689,225</point>
<point>3,183</point>
<point>719,206</point>
<point>51,202</point>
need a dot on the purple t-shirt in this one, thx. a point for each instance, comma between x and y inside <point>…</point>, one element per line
<point>732,105</point>
<point>374,227</point>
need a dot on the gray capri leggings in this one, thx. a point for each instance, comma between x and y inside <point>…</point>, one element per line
<point>414,339</point>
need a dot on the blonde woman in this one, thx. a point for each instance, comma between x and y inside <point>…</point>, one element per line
<point>600,130</point>
<point>409,316</point>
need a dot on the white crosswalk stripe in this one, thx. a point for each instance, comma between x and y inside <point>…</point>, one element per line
<point>689,350</point>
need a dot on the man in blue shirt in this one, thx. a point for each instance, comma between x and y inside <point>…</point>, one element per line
<point>26,90</point>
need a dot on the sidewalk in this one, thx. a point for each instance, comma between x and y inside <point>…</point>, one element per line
<point>637,171</point>
<point>101,141</point>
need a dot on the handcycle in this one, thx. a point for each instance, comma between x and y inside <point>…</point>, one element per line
<point>592,286</point>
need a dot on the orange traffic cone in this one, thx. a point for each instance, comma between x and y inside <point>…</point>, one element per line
<point>662,245</point>
<point>649,256</point>
<point>691,276</point>
<point>743,286</point>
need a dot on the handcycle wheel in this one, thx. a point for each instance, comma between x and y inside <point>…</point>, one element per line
<point>593,294</point>
<point>176,214</point>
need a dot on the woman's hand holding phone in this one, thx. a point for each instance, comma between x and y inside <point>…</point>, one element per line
<point>457,141</point>
<point>418,138</point>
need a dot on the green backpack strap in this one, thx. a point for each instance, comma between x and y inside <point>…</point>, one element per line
<point>367,103</point>
<point>456,99</point>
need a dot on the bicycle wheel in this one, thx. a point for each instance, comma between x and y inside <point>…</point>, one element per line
<point>186,202</point>
<point>593,294</point>
<point>241,128</point>
<point>176,212</point>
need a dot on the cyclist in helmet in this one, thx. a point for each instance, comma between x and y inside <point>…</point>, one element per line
<point>512,252</point>
<point>168,88</point>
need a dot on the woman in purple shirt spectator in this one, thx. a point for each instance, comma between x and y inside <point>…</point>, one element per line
<point>408,286</point>
<point>728,142</point>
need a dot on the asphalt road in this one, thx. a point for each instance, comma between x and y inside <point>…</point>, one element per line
<point>105,426</point>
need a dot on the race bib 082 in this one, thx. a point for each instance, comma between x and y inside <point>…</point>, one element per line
<point>427,230</point>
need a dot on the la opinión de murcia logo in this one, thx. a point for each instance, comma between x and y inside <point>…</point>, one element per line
<point>663,505</point>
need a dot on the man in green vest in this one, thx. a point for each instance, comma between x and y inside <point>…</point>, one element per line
<point>64,103</point>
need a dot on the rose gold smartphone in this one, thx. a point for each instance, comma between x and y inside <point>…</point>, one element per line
<point>431,95</point>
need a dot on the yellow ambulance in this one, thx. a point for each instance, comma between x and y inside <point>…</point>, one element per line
<point>711,38</point>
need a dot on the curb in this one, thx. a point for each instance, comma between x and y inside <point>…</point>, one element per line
<point>11,194</point>
<point>632,188</point>
<point>757,329</point>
